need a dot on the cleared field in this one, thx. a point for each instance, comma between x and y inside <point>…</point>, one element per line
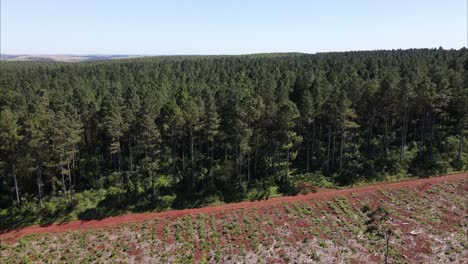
<point>427,217</point>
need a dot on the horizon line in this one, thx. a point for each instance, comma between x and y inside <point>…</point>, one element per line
<point>220,54</point>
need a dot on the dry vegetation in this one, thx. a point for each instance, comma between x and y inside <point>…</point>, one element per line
<point>428,223</point>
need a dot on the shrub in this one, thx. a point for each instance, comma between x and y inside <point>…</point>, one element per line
<point>306,187</point>
<point>365,208</point>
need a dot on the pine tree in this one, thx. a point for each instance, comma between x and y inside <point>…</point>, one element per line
<point>148,145</point>
<point>287,136</point>
<point>9,145</point>
<point>211,129</point>
<point>39,150</point>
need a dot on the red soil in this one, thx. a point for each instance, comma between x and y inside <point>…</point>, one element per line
<point>11,236</point>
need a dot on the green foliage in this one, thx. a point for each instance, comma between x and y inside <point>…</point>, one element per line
<point>189,131</point>
<point>316,179</point>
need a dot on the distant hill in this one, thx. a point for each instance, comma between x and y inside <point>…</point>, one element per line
<point>62,57</point>
<point>91,57</point>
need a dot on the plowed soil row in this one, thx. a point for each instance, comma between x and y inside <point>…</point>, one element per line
<point>12,235</point>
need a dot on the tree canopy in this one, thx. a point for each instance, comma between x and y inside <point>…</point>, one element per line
<point>219,125</point>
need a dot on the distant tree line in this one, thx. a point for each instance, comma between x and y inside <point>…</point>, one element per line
<point>200,125</point>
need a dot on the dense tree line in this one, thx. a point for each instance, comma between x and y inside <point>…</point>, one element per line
<point>221,124</point>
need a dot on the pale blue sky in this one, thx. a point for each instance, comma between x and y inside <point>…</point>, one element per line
<point>228,26</point>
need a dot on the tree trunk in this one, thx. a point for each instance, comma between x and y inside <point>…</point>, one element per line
<point>237,164</point>
<point>248,166</point>
<point>16,186</point>
<point>39,185</point>
<point>422,135</point>
<point>403,132</point>
<point>333,159</point>
<point>73,167</point>
<point>370,130</point>
<point>183,159</point>
<point>153,184</point>
<point>313,143</point>
<point>328,150</point>
<point>200,159</point>
<point>70,187</point>
<point>192,171</point>
<point>225,152</point>
<point>385,137</point>
<point>460,149</point>
<point>63,178</point>
<point>317,146</point>
<point>212,160</point>
<point>287,165</point>
<point>119,164</point>
<point>341,148</point>
<point>354,138</point>
<point>433,126</point>
<point>120,157</point>
<point>173,161</point>
<point>307,156</point>
<point>255,156</point>
<point>130,156</point>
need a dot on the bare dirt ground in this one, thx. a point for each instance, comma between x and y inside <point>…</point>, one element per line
<point>420,184</point>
